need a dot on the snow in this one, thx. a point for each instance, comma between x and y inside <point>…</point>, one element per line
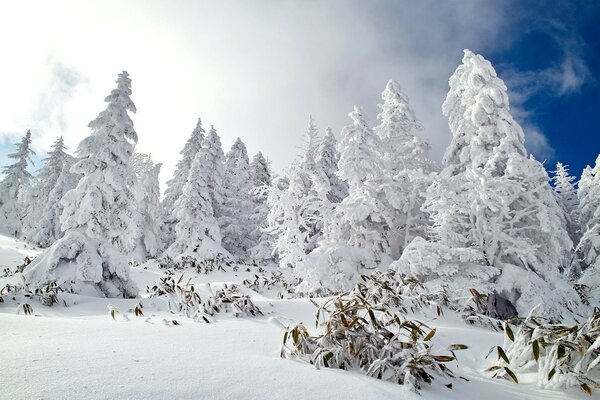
<point>79,351</point>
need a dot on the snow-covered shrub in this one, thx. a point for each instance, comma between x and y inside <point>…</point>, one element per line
<point>185,298</point>
<point>364,330</point>
<point>47,294</point>
<point>563,356</point>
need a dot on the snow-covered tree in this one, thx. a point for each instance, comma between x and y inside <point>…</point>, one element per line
<point>589,214</point>
<point>36,197</point>
<point>215,158</point>
<point>356,235</point>
<point>564,187</point>
<point>492,198</point>
<point>236,220</point>
<point>197,232</point>
<point>100,220</point>
<point>12,188</point>
<point>47,229</point>
<point>327,160</point>
<point>151,210</point>
<point>406,162</point>
<point>175,184</point>
<point>261,185</point>
<point>401,146</point>
<point>141,163</point>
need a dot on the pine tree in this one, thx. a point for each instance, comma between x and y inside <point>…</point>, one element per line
<point>197,232</point>
<point>216,173</point>
<point>151,210</point>
<point>261,185</point>
<point>407,168</point>
<point>101,222</point>
<point>589,213</point>
<point>175,184</point>
<point>564,188</point>
<point>12,188</point>
<point>236,221</point>
<point>493,198</point>
<point>36,198</point>
<point>48,229</point>
<point>328,162</point>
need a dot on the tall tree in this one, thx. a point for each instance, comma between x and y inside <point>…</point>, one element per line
<point>262,251</point>
<point>566,192</point>
<point>15,183</point>
<point>236,220</point>
<point>327,160</point>
<point>215,159</point>
<point>149,205</point>
<point>197,232</point>
<point>493,198</point>
<point>589,213</point>
<point>175,184</point>
<point>36,197</point>
<point>101,221</point>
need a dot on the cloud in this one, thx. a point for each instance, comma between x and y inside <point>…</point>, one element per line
<point>537,143</point>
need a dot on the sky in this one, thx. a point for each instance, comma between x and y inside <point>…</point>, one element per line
<point>257,70</point>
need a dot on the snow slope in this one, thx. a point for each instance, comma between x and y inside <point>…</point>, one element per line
<point>80,352</point>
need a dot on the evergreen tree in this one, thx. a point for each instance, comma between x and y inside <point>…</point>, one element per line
<point>328,162</point>
<point>236,222</point>
<point>197,232</point>
<point>100,220</point>
<point>36,198</point>
<point>261,185</point>
<point>12,188</point>
<point>564,188</point>
<point>589,213</point>
<point>151,210</point>
<point>47,229</point>
<point>175,184</point>
<point>215,159</point>
<point>492,198</point>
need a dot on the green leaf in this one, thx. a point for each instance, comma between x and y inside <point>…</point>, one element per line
<point>536,350</point>
<point>430,335</point>
<point>458,346</point>
<point>509,332</point>
<point>443,358</point>
<point>551,373</point>
<point>502,354</point>
<point>511,374</point>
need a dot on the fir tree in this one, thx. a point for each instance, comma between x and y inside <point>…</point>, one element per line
<point>328,162</point>
<point>12,188</point>
<point>261,185</point>
<point>151,210</point>
<point>100,220</point>
<point>589,213</point>
<point>175,184</point>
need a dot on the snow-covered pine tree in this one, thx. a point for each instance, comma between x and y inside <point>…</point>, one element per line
<point>236,220</point>
<point>492,198</point>
<point>141,163</point>
<point>215,158</point>
<point>197,232</point>
<point>47,229</point>
<point>13,187</point>
<point>589,214</point>
<point>355,236</point>
<point>36,197</point>
<point>328,162</point>
<point>100,220</point>
<point>149,206</point>
<point>566,192</point>
<point>407,168</point>
<point>261,185</point>
<point>175,184</point>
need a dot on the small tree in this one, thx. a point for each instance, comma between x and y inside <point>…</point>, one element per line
<point>328,162</point>
<point>175,184</point>
<point>151,210</point>
<point>13,187</point>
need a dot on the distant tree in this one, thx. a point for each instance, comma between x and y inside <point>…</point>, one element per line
<point>566,192</point>
<point>197,232</point>
<point>328,162</point>
<point>215,159</point>
<point>100,220</point>
<point>37,195</point>
<point>262,251</point>
<point>151,210</point>
<point>175,184</point>
<point>238,206</point>
<point>14,185</point>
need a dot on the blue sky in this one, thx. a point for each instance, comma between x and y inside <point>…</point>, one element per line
<point>257,70</point>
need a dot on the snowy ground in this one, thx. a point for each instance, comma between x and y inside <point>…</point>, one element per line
<point>80,352</point>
